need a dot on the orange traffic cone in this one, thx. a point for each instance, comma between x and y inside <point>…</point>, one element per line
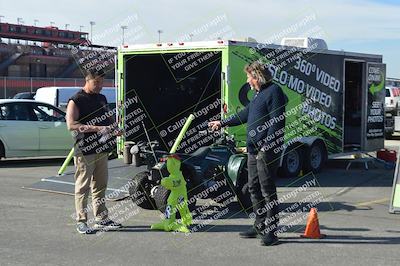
<point>312,228</point>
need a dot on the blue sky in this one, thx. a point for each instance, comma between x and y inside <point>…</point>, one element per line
<point>368,26</point>
<point>386,1</point>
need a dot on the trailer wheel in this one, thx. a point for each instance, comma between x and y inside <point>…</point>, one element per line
<point>389,135</point>
<point>292,163</point>
<point>140,191</point>
<point>161,195</point>
<point>315,157</point>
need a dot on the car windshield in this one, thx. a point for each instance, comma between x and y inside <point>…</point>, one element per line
<point>24,95</point>
<point>47,113</point>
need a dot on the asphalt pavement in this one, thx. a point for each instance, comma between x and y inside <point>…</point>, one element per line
<point>37,227</point>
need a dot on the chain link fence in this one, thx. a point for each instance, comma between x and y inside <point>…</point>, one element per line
<point>9,86</point>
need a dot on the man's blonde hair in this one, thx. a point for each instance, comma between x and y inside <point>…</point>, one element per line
<point>259,72</point>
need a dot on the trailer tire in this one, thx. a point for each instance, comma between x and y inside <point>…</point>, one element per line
<point>292,163</point>
<point>140,190</point>
<point>161,195</point>
<point>315,157</point>
<point>388,135</point>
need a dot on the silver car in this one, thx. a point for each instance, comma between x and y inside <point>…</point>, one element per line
<point>29,128</point>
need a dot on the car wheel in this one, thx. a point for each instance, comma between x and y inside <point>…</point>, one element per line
<point>140,190</point>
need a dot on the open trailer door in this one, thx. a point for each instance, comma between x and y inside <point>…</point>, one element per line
<point>161,88</point>
<point>374,126</point>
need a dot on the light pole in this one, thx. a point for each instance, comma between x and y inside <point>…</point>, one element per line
<point>191,36</point>
<point>1,17</point>
<point>51,23</point>
<point>80,28</point>
<point>123,33</point>
<point>66,26</point>
<point>19,21</point>
<point>92,23</point>
<point>159,35</point>
<point>35,21</point>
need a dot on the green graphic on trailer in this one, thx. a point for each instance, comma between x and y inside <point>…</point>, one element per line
<point>376,100</point>
<point>311,83</point>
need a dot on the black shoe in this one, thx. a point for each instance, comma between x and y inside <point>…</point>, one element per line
<point>107,224</point>
<point>269,240</point>
<point>251,233</point>
<point>82,228</point>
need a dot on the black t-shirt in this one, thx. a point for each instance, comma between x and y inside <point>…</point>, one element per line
<point>93,110</point>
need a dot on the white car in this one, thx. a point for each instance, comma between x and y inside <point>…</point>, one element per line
<point>392,100</point>
<point>59,96</point>
<point>29,128</point>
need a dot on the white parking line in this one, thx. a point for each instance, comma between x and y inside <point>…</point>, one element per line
<point>73,184</point>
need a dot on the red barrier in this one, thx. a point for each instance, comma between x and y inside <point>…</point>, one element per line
<point>387,155</point>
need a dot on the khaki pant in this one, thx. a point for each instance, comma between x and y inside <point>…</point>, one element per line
<point>91,173</point>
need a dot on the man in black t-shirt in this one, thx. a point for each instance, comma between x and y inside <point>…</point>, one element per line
<point>91,125</point>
